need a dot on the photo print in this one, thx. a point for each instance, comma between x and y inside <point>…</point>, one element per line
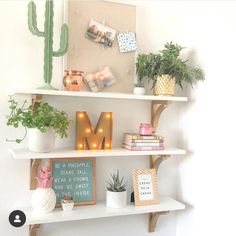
<point>100,33</point>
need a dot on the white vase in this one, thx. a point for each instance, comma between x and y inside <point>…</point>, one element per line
<point>139,90</point>
<point>43,200</point>
<point>39,141</point>
<point>116,199</point>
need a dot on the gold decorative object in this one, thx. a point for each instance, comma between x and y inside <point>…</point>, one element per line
<point>165,85</point>
<point>73,80</point>
<point>87,137</point>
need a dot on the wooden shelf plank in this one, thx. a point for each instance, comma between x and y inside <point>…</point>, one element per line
<point>99,211</point>
<point>62,153</point>
<point>100,95</point>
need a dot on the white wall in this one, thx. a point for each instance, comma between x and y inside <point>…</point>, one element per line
<point>21,67</point>
<point>206,176</point>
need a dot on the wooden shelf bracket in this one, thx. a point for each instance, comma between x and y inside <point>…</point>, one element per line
<point>33,230</point>
<point>155,161</point>
<point>153,218</point>
<point>157,108</point>
<point>36,100</point>
<point>34,163</point>
<point>34,166</point>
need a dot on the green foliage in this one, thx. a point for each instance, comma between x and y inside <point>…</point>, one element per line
<point>115,184</point>
<point>149,66</point>
<point>47,34</point>
<point>139,84</point>
<point>42,118</point>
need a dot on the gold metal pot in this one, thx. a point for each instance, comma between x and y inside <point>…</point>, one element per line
<point>73,80</point>
<point>165,85</point>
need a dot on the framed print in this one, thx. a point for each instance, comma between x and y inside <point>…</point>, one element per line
<point>145,187</point>
<point>74,177</point>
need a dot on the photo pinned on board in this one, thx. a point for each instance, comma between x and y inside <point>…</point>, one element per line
<point>100,33</point>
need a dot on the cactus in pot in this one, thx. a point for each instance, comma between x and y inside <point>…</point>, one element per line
<point>44,197</point>
<point>47,34</point>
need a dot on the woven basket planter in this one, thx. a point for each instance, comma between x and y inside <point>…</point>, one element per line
<point>165,85</point>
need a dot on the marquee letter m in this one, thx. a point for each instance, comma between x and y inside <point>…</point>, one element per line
<point>87,137</point>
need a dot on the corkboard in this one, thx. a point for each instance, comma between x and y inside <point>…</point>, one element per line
<point>88,56</point>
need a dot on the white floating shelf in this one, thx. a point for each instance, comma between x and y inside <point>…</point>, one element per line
<point>99,211</point>
<point>26,154</point>
<point>100,95</point>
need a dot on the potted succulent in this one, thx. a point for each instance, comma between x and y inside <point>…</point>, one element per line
<point>167,69</point>
<point>44,197</point>
<point>139,88</point>
<point>41,124</point>
<point>67,203</point>
<point>116,194</point>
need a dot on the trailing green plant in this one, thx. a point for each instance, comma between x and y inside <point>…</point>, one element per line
<point>115,184</point>
<point>149,66</point>
<point>47,34</point>
<point>42,118</point>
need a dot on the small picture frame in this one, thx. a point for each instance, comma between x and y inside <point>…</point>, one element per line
<point>145,187</point>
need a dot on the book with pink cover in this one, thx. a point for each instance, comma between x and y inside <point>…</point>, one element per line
<point>138,136</point>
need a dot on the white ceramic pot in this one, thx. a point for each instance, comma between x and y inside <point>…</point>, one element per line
<point>116,199</point>
<point>43,200</point>
<point>67,206</point>
<point>39,141</point>
<point>139,90</point>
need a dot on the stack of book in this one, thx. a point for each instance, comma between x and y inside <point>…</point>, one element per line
<point>137,142</point>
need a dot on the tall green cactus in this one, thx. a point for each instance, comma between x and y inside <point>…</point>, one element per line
<point>48,38</point>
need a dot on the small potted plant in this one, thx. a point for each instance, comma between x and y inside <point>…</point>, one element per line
<point>139,88</point>
<point>41,124</point>
<point>167,69</point>
<point>67,203</point>
<point>116,194</point>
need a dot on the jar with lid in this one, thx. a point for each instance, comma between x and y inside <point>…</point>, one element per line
<point>145,129</point>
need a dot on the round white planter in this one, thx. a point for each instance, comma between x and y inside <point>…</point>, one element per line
<point>39,141</point>
<point>43,200</point>
<point>139,90</point>
<point>68,206</point>
<point>116,199</point>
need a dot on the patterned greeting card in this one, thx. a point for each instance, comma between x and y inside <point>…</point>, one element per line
<point>127,42</point>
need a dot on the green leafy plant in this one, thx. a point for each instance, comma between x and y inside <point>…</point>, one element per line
<point>115,184</point>
<point>42,118</point>
<point>149,66</point>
